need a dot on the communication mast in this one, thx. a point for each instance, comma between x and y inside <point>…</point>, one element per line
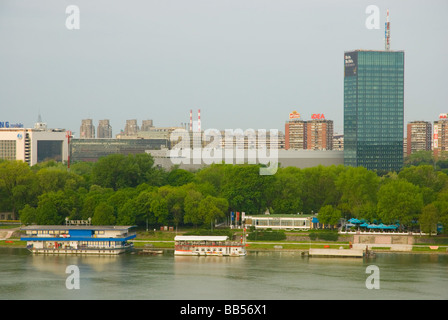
<point>387,33</point>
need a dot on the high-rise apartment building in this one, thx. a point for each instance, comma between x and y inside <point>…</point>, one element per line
<point>295,134</point>
<point>440,135</point>
<point>104,129</point>
<point>147,125</point>
<point>418,137</point>
<point>315,134</point>
<point>319,135</point>
<point>131,127</point>
<point>374,109</point>
<point>338,142</point>
<point>87,130</point>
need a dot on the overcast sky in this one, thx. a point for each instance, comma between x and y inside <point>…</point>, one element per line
<point>245,63</point>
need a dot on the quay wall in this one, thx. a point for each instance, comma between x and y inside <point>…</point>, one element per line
<point>394,242</point>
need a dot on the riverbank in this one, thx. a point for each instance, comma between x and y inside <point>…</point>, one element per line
<point>165,240</point>
<point>298,247</point>
<point>264,246</point>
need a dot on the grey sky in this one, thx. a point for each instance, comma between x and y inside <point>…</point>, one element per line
<point>245,63</point>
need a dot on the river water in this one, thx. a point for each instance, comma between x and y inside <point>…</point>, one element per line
<point>257,276</point>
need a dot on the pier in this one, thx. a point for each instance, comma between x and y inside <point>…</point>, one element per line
<point>353,253</point>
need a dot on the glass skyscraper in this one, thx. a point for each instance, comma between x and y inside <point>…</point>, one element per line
<point>374,109</point>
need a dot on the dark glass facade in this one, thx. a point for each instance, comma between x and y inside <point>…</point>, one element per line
<point>49,150</point>
<point>374,109</point>
<point>93,149</point>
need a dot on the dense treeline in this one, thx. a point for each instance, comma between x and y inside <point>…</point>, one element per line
<point>130,190</point>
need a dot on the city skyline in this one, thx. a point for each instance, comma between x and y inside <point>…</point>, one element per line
<point>244,64</point>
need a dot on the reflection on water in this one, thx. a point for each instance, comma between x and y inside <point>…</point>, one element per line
<point>57,264</point>
<point>259,275</point>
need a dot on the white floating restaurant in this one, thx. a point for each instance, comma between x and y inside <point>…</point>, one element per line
<point>208,246</point>
<point>78,239</point>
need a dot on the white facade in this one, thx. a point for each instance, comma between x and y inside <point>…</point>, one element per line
<point>32,145</point>
<point>279,223</point>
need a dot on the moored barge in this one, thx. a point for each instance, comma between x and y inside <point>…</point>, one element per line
<point>66,239</point>
<point>208,246</point>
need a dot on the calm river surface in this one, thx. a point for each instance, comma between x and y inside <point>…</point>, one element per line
<point>257,276</point>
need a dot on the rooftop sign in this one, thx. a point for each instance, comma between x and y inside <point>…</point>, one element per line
<point>6,124</point>
<point>318,116</point>
<point>294,115</point>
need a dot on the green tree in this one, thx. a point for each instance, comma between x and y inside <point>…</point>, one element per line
<point>442,208</point>
<point>103,215</point>
<point>53,208</point>
<point>118,171</point>
<point>429,219</point>
<point>419,158</point>
<point>399,200</point>
<point>51,179</point>
<point>144,214</point>
<point>329,215</point>
<point>287,191</point>
<point>358,187</point>
<point>191,206</point>
<point>427,178</point>
<point>174,197</point>
<point>246,190</point>
<point>320,187</point>
<point>179,177</point>
<point>28,215</point>
<point>95,196</point>
<point>212,208</point>
<point>16,183</point>
<point>127,213</point>
<point>159,207</point>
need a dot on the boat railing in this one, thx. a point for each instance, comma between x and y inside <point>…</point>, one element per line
<point>93,236</point>
<point>209,243</point>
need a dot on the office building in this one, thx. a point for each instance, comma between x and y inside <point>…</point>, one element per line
<point>92,149</point>
<point>374,109</point>
<point>286,158</point>
<point>418,137</point>
<point>33,145</point>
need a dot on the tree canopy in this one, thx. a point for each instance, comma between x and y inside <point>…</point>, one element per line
<point>130,190</point>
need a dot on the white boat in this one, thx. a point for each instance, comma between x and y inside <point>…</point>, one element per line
<point>208,246</point>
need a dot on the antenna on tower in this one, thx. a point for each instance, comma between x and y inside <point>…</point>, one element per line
<point>387,33</point>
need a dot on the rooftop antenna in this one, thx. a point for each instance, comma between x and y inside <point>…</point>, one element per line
<point>387,33</point>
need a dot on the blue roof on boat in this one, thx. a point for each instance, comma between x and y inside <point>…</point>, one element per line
<point>69,227</point>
